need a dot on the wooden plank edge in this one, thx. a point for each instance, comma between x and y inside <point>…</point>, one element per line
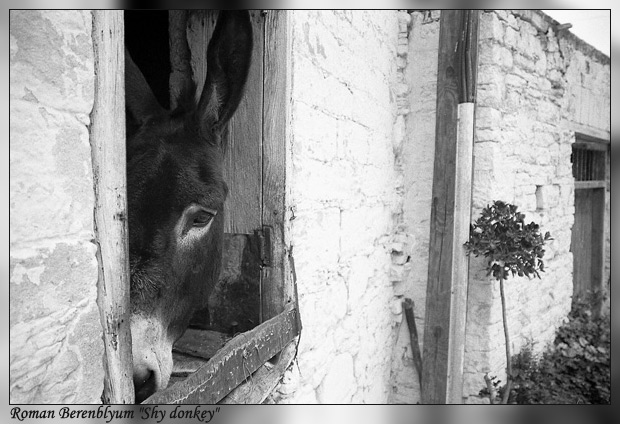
<point>460,260</point>
<point>107,139</point>
<point>242,351</point>
<point>256,388</point>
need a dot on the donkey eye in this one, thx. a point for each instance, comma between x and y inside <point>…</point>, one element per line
<point>195,221</point>
<point>202,218</point>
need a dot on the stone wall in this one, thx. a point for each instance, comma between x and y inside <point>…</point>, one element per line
<point>536,88</point>
<point>533,87</point>
<point>344,204</point>
<point>56,348</point>
<point>587,108</point>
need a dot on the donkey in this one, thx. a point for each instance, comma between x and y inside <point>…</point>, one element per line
<point>176,197</point>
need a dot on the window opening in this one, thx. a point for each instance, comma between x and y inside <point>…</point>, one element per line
<point>590,161</point>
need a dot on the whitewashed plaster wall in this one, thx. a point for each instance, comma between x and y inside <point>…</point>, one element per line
<point>345,204</point>
<point>56,348</point>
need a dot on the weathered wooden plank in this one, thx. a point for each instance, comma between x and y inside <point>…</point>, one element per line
<point>408,305</point>
<point>234,363</point>
<point>276,290</point>
<point>236,297</point>
<point>591,143</point>
<point>201,343</point>
<point>587,242</point>
<point>445,299</point>
<point>436,330</point>
<point>460,261</point>
<point>588,132</point>
<point>184,365</point>
<point>598,246</point>
<point>193,351</point>
<point>235,300</point>
<point>256,388</point>
<point>243,161</point>
<point>586,185</point>
<point>107,137</point>
<point>581,242</point>
<point>468,58</point>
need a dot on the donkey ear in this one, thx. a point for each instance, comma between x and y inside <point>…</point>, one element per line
<point>140,102</point>
<point>228,62</point>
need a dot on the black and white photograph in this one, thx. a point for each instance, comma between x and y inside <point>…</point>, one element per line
<point>384,206</point>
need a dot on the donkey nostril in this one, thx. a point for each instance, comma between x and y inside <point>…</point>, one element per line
<point>144,383</point>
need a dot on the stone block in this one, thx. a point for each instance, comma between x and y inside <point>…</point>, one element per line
<point>491,27</point>
<point>316,134</point>
<point>320,232</point>
<point>50,365</point>
<point>336,299</point>
<point>51,189</point>
<point>360,271</point>
<point>52,60</point>
<point>524,62</point>
<point>361,227</point>
<point>487,118</point>
<point>339,383</point>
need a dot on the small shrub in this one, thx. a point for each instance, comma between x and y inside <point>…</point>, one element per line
<point>575,369</point>
<point>510,246</point>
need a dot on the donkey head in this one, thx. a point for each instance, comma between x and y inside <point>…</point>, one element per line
<point>176,196</point>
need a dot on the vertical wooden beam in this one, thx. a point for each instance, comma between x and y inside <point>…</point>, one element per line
<point>446,298</point>
<point>243,167</point>
<point>598,248</point>
<point>107,137</point>
<point>460,262</point>
<point>276,290</point>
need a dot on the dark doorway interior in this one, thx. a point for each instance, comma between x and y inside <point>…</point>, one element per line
<point>146,38</point>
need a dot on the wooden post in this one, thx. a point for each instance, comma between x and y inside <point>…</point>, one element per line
<point>107,137</point>
<point>276,289</point>
<point>446,301</point>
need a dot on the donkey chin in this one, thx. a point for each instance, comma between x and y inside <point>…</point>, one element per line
<point>152,356</point>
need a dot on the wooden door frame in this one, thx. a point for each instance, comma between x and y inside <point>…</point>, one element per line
<point>107,138</point>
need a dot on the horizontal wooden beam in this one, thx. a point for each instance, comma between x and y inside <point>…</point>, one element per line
<point>234,363</point>
<point>588,132</point>
<point>256,389</point>
<point>581,185</point>
<point>590,143</point>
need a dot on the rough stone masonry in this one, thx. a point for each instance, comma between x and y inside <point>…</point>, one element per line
<point>56,348</point>
<point>345,200</point>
